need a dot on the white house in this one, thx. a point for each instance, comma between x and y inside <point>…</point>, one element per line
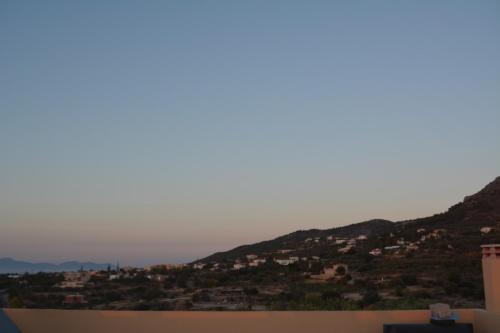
<point>486,230</point>
<point>257,262</point>
<point>283,262</point>
<point>238,266</point>
<point>199,265</point>
<point>375,252</point>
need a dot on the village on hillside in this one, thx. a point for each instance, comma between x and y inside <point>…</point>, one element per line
<point>400,269</point>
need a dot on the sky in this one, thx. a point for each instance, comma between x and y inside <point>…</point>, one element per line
<point>163,131</point>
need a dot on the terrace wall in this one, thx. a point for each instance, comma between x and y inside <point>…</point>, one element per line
<point>79,321</point>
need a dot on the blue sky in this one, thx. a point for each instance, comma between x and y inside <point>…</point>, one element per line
<point>164,131</point>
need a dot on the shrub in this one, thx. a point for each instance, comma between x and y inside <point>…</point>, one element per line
<point>370,297</point>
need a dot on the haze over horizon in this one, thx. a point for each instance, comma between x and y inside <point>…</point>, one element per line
<point>166,131</point>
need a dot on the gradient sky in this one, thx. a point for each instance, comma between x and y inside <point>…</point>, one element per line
<point>164,131</point>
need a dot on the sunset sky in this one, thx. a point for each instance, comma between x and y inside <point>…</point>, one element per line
<point>162,131</point>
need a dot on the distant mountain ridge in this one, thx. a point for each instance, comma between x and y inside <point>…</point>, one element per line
<point>479,209</point>
<point>10,265</point>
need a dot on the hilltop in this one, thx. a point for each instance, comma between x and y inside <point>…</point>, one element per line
<point>480,209</point>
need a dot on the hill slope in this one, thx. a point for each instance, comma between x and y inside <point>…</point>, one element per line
<point>292,240</point>
<point>464,219</point>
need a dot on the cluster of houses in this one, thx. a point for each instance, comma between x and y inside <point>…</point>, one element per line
<point>408,246</point>
<point>282,257</point>
<point>349,243</point>
<point>401,245</point>
<point>252,260</point>
<point>434,234</point>
<point>75,279</point>
<point>333,272</point>
<point>79,279</point>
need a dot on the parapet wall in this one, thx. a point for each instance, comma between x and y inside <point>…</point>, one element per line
<point>80,321</point>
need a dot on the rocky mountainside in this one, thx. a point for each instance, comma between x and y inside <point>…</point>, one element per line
<point>482,208</point>
<point>461,221</point>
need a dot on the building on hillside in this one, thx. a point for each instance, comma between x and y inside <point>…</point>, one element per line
<point>215,267</point>
<point>239,266</point>
<point>283,262</point>
<point>362,237</point>
<point>257,262</point>
<point>435,234</point>
<point>199,265</point>
<point>75,279</point>
<point>392,247</point>
<point>251,257</point>
<point>486,230</point>
<point>335,271</point>
<point>375,252</point>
